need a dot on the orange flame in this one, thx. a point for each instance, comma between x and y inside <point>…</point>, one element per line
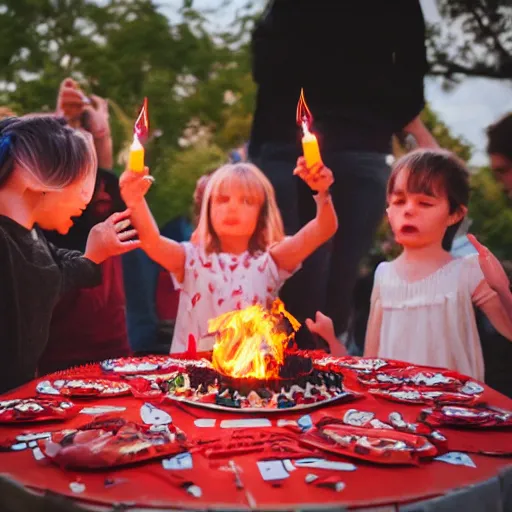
<point>251,343</point>
<point>304,116</point>
<point>141,127</point>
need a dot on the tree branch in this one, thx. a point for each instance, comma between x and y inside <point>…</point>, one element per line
<point>487,31</point>
<point>451,68</point>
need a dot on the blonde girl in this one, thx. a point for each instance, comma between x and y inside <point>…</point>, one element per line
<point>240,255</point>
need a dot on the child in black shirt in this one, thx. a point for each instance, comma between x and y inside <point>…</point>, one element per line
<point>47,175</point>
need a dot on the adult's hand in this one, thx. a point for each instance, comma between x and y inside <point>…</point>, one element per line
<point>71,102</point>
<point>421,134</point>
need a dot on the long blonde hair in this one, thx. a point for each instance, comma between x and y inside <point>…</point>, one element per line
<point>269,228</point>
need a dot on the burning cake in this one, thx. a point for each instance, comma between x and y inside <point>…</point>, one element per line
<point>254,365</point>
<point>253,347</point>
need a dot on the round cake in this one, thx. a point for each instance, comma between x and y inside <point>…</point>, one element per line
<point>293,368</point>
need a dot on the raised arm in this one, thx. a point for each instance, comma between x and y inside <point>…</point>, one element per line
<point>108,238</point>
<point>498,316</point>
<point>77,270</point>
<point>166,252</point>
<point>89,114</point>
<point>323,327</point>
<point>292,251</point>
<point>422,137</point>
<point>495,276</point>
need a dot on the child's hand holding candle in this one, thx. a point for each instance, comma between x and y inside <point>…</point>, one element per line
<point>319,179</point>
<point>134,186</point>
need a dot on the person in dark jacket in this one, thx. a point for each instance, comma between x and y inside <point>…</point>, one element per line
<point>47,175</point>
<point>362,66</point>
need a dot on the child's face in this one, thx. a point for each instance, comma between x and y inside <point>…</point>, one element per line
<point>57,207</point>
<point>234,211</point>
<point>418,219</point>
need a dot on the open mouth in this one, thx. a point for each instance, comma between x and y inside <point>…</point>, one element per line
<point>408,229</point>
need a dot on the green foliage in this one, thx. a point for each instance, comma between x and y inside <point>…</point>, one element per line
<point>444,137</point>
<point>171,196</point>
<point>125,50</point>
<point>197,77</point>
<point>491,214</point>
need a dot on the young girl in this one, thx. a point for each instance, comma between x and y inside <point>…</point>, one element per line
<point>422,302</point>
<point>239,256</point>
<point>47,174</point>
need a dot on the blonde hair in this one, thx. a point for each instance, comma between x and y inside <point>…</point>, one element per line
<point>269,228</point>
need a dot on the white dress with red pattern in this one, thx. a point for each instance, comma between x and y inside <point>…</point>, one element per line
<point>216,283</point>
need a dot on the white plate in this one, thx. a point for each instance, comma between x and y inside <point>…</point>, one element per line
<point>346,395</point>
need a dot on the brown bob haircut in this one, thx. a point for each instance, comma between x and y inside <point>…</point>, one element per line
<point>434,173</point>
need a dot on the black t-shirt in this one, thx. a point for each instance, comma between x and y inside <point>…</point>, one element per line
<point>33,275</point>
<point>361,64</point>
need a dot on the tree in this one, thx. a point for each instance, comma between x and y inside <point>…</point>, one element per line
<point>490,212</point>
<point>197,77</point>
<point>125,50</point>
<point>120,50</point>
<point>474,38</point>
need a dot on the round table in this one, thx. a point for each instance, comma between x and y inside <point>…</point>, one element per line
<point>148,486</point>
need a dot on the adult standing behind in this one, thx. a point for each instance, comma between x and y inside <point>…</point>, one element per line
<point>497,350</point>
<point>89,324</point>
<point>362,66</point>
<point>499,148</point>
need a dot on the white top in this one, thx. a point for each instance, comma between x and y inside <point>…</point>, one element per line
<point>216,283</point>
<point>431,321</point>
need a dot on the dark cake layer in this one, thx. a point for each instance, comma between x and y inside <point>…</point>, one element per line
<point>293,368</point>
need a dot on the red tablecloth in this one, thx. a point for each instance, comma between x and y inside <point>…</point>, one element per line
<point>149,484</point>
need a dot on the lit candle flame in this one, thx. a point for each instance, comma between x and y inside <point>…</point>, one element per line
<point>141,126</point>
<point>304,116</point>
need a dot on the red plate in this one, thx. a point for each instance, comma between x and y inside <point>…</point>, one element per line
<point>382,446</point>
<point>148,364</point>
<point>421,379</point>
<point>36,409</point>
<point>409,395</point>
<point>360,364</point>
<point>111,442</point>
<point>83,388</point>
<point>466,417</point>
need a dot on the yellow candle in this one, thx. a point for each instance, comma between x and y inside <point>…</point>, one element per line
<point>311,150</point>
<point>136,158</point>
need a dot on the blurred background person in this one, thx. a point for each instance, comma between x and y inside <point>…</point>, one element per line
<point>89,324</point>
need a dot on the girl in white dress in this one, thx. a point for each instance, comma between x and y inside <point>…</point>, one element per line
<point>422,302</point>
<point>239,255</point>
